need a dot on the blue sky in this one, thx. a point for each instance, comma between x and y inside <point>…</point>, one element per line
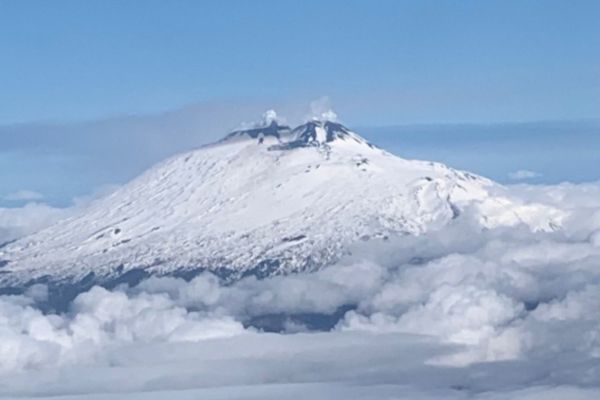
<point>93,92</point>
<point>397,61</point>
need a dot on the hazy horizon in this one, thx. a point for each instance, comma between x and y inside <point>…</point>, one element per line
<point>62,161</point>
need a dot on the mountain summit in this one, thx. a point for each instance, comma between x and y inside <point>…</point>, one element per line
<point>269,127</point>
<point>312,133</point>
<point>264,200</point>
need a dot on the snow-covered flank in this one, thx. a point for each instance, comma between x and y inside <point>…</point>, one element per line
<point>266,200</point>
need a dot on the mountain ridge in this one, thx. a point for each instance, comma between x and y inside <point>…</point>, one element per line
<point>263,201</point>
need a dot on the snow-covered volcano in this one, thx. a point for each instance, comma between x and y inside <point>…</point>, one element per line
<point>265,200</point>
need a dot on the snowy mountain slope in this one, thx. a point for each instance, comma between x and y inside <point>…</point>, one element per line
<point>262,201</point>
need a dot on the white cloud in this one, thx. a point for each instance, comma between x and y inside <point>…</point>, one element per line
<point>320,109</point>
<point>269,117</point>
<point>456,313</point>
<point>16,222</point>
<point>523,174</point>
<point>20,221</point>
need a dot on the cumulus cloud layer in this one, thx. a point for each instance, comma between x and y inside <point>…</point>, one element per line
<point>463,312</point>
<point>21,221</point>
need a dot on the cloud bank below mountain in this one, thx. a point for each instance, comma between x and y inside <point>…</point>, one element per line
<point>458,313</point>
